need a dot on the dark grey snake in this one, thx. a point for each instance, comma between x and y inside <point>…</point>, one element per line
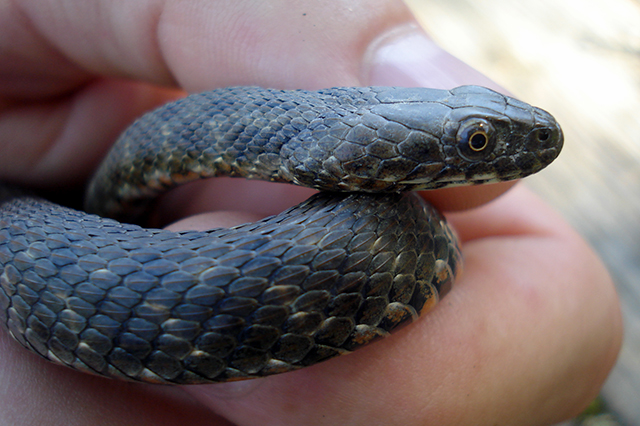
<point>340,270</point>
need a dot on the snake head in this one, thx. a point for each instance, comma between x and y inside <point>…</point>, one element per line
<point>471,135</point>
<point>417,138</point>
<point>490,137</point>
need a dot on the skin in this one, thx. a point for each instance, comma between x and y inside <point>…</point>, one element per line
<point>527,335</point>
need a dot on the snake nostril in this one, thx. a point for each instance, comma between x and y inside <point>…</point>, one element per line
<point>543,135</point>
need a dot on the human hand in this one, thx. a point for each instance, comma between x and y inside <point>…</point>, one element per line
<point>527,334</point>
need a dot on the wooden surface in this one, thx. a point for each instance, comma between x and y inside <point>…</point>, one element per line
<point>579,59</point>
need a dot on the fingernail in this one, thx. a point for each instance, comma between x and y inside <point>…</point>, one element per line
<point>406,56</point>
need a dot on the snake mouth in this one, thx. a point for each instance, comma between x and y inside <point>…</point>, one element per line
<point>463,180</point>
<point>430,183</point>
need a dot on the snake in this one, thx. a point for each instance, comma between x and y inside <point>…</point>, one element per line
<point>366,255</point>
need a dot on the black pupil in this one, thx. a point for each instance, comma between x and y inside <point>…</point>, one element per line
<point>543,135</point>
<point>478,141</point>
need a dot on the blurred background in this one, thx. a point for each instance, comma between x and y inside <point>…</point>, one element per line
<point>580,60</point>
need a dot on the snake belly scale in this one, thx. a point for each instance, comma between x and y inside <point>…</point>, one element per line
<point>342,269</point>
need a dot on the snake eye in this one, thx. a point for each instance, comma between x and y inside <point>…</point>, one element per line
<point>476,139</point>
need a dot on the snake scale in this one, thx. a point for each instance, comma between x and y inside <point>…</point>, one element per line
<point>344,268</point>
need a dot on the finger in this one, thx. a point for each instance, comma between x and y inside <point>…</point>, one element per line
<point>526,336</point>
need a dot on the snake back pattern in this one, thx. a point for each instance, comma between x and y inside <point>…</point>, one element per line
<point>354,262</point>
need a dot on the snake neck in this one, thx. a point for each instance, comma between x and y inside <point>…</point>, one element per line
<point>237,132</point>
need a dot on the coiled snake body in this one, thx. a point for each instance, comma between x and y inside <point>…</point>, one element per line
<point>344,268</point>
